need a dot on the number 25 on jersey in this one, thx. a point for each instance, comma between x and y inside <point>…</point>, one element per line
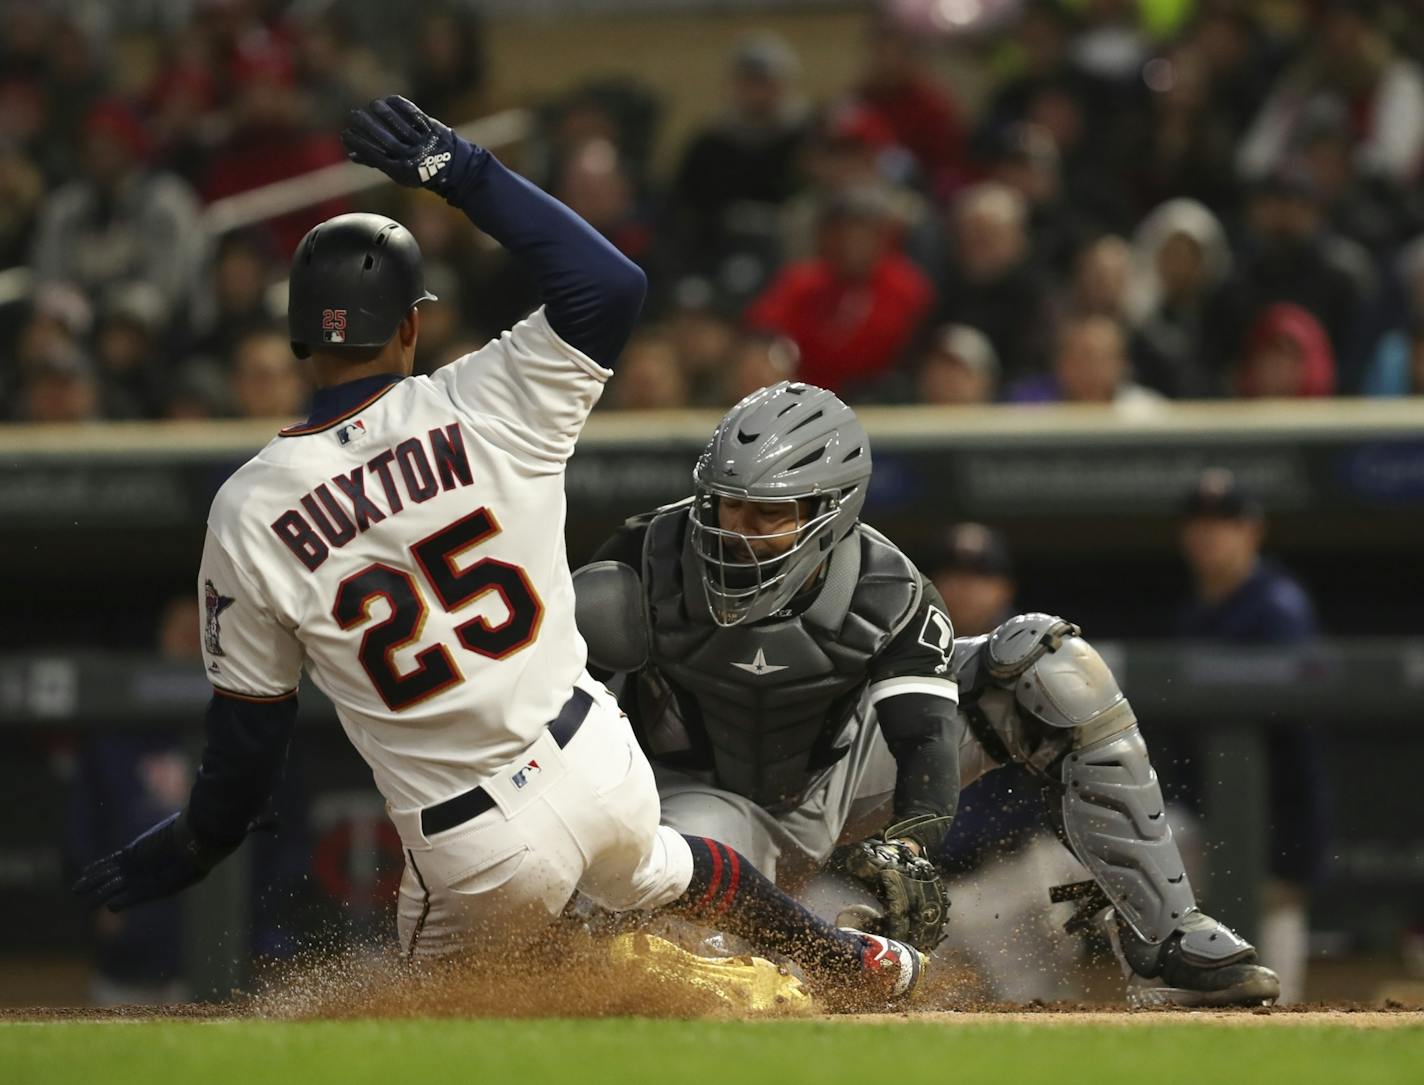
<point>435,668</point>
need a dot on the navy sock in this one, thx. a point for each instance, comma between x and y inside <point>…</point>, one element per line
<point>729,894</point>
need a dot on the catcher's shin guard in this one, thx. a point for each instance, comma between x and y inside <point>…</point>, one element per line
<point>1171,953</point>
<point>1115,822</point>
<point>1049,700</point>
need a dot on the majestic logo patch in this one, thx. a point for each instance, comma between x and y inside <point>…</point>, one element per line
<point>759,666</point>
<point>432,164</point>
<point>521,778</point>
<point>214,604</point>
<point>352,431</point>
<point>333,325</point>
<point>938,636</point>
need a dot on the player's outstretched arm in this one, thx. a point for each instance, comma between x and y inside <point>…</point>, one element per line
<point>246,744</point>
<point>592,293</point>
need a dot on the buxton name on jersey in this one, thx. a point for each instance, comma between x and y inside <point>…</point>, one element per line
<point>324,522</point>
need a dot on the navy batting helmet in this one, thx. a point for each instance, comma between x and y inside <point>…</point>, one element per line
<point>354,277</point>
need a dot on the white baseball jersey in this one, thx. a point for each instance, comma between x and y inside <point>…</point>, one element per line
<point>410,552</point>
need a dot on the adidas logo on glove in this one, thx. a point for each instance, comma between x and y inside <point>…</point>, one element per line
<point>433,165</point>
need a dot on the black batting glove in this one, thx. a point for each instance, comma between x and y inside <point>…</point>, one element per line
<point>392,135</point>
<point>158,863</point>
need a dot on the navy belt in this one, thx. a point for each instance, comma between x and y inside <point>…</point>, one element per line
<point>473,803</point>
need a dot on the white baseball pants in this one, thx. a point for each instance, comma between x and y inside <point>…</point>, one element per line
<point>587,820</point>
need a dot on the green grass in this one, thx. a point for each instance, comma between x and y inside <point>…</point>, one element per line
<point>662,1052</point>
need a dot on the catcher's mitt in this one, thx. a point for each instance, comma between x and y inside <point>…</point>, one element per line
<point>907,886</point>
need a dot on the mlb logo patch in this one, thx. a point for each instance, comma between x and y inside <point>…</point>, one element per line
<point>351,432</point>
<point>523,776</point>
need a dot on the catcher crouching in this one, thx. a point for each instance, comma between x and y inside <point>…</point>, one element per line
<point>796,683</point>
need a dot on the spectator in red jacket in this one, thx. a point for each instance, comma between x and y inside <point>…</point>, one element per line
<point>853,309</point>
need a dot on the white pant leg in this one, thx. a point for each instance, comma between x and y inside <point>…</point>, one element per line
<point>634,862</point>
<point>587,818</point>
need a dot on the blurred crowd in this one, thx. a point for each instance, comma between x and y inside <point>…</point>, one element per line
<point>1143,201</point>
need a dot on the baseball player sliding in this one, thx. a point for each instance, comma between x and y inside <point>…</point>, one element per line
<point>406,544</point>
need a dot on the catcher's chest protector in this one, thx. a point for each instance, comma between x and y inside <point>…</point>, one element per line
<point>771,698</point>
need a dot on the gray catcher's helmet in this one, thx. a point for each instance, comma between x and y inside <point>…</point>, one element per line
<point>789,442</point>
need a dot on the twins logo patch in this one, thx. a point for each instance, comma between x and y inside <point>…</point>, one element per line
<point>522,777</point>
<point>938,636</point>
<point>351,432</point>
<point>213,605</point>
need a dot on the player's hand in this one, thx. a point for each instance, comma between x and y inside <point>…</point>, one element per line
<point>907,886</point>
<point>392,135</point>
<point>160,862</point>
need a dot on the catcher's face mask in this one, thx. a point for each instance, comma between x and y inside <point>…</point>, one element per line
<point>756,554</point>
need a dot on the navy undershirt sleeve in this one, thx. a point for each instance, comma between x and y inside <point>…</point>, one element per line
<point>592,293</point>
<point>245,748</point>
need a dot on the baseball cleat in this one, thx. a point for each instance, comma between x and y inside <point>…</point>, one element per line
<point>894,966</point>
<point>1203,964</point>
<point>1227,985</point>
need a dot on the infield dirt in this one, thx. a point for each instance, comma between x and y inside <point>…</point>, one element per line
<point>581,981</point>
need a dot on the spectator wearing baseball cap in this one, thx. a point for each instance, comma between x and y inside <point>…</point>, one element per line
<point>128,347</point>
<point>973,572</point>
<point>1398,367</point>
<point>1240,597</point>
<point>271,139</point>
<point>959,366</point>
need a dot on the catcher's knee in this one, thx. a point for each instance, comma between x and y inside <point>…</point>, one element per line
<point>1050,692</point>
